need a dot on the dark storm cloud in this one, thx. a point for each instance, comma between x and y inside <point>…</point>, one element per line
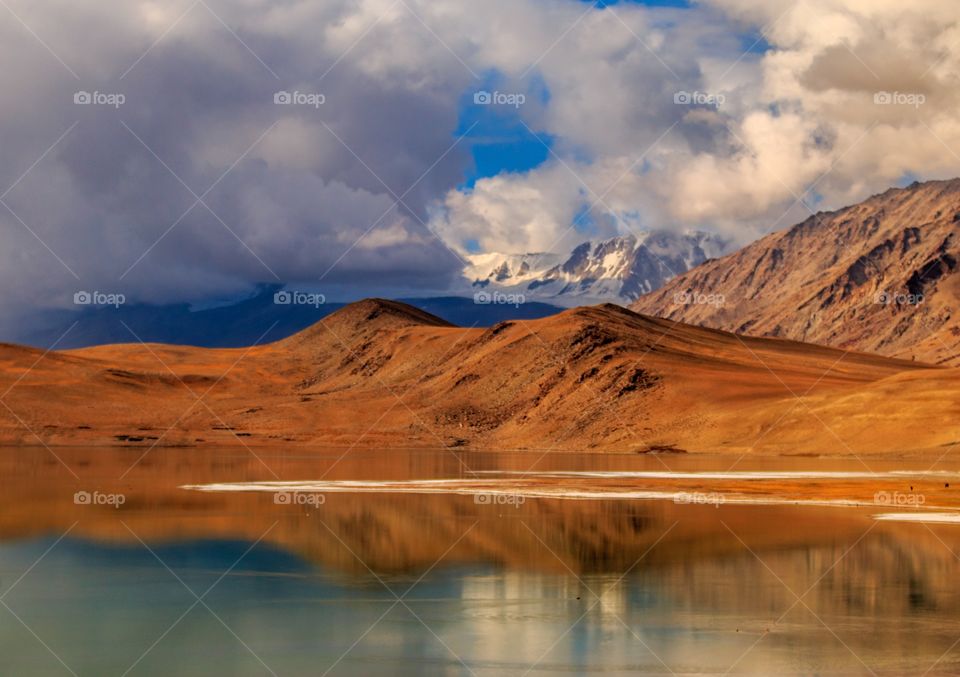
<point>295,188</point>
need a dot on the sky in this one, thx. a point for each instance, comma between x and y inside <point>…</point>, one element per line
<point>188,150</point>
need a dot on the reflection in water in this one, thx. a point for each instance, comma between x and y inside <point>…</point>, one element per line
<point>441,584</point>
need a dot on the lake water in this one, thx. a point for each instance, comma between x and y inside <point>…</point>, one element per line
<point>109,567</point>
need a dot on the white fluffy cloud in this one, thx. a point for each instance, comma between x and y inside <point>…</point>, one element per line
<point>799,126</point>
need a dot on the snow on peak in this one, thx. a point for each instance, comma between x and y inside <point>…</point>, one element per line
<point>618,269</point>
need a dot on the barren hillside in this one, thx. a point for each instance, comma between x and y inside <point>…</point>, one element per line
<point>880,276</point>
<point>380,373</point>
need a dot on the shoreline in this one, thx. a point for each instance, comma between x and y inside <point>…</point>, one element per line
<point>935,452</point>
<point>882,491</point>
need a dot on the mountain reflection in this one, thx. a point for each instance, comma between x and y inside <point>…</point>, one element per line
<point>698,584</point>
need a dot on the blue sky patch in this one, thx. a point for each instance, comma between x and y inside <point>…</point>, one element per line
<point>500,139</point>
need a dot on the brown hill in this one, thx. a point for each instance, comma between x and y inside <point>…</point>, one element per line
<point>880,276</point>
<point>379,373</point>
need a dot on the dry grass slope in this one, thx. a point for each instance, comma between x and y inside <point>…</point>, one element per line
<point>380,373</point>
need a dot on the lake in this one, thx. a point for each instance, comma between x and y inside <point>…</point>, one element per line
<point>412,562</point>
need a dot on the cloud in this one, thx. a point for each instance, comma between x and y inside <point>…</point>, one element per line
<point>329,193</point>
<point>354,191</point>
<point>802,125</point>
<point>853,96</point>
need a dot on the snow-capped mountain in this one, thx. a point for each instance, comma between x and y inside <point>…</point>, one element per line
<point>619,270</point>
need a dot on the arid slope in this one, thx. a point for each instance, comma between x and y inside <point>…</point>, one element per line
<point>881,276</point>
<point>380,373</point>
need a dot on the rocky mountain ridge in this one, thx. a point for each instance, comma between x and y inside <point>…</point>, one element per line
<point>879,276</point>
<point>617,270</point>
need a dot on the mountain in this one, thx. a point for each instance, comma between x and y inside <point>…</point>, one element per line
<point>618,270</point>
<point>879,276</point>
<point>258,319</point>
<point>383,373</point>
<point>496,288</point>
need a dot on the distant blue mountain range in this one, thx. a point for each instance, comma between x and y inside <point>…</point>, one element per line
<point>258,319</point>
